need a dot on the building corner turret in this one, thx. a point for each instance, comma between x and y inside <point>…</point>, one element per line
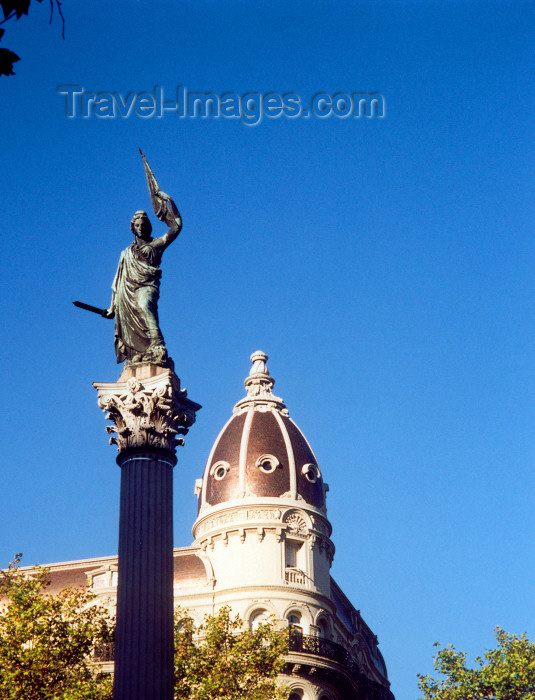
<point>262,521</point>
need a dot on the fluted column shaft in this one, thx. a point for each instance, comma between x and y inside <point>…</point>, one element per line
<point>144,632</point>
<point>149,413</point>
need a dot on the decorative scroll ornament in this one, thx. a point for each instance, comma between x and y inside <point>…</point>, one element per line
<point>152,412</point>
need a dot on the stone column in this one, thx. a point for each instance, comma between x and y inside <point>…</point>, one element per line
<point>150,414</point>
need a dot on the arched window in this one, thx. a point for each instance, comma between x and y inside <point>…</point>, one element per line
<point>294,618</point>
<point>296,695</point>
<point>323,628</point>
<point>296,630</point>
<point>257,618</point>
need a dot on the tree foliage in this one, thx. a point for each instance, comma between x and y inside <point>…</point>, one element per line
<point>46,641</point>
<point>221,661</point>
<point>504,673</point>
<point>14,9</point>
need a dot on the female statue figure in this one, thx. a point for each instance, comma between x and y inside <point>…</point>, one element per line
<point>136,287</point>
<point>136,290</point>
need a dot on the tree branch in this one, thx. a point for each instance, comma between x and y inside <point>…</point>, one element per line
<point>10,16</point>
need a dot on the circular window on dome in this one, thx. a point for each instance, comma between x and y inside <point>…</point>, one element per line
<point>267,463</point>
<point>311,472</point>
<point>219,470</point>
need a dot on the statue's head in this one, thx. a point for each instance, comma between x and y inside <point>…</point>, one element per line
<point>141,225</point>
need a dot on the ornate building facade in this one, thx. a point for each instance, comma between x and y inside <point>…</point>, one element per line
<point>262,545</point>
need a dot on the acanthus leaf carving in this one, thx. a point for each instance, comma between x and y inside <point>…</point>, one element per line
<point>153,412</point>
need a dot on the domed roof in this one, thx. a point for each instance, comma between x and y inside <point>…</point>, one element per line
<point>261,452</point>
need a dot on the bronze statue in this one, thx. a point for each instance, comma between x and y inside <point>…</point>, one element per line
<point>136,287</point>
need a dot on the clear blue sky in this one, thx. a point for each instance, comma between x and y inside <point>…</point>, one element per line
<point>385,265</point>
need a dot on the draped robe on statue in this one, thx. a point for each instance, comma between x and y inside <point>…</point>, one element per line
<point>137,289</point>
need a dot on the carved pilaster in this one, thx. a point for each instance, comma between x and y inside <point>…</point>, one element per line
<point>147,411</point>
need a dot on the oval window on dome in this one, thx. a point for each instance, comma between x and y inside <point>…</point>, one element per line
<point>219,470</point>
<point>311,472</point>
<point>267,463</point>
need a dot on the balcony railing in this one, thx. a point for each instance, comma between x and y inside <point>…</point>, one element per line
<point>104,653</point>
<point>317,646</point>
<point>309,644</point>
<point>303,644</point>
<point>295,576</point>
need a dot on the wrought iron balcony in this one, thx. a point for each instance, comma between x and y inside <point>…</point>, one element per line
<point>309,644</point>
<point>104,653</point>
<point>302,644</point>
<point>317,646</point>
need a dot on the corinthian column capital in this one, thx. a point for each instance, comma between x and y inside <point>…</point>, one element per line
<point>147,411</point>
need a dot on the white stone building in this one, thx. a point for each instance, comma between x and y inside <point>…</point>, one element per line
<point>262,545</point>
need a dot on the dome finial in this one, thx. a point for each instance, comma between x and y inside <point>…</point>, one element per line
<point>259,380</point>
